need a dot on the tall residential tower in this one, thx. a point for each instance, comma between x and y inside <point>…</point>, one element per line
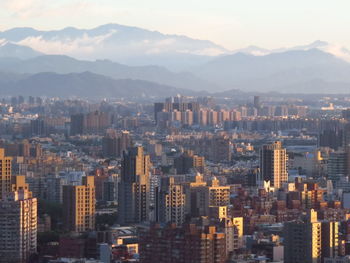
<point>273,164</point>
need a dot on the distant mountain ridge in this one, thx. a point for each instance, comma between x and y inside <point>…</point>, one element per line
<point>283,72</point>
<point>125,44</point>
<point>138,54</point>
<point>65,65</point>
<point>84,85</point>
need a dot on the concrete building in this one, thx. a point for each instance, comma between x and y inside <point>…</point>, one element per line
<point>330,239</point>
<point>187,244</point>
<point>134,187</point>
<point>338,167</point>
<point>79,206</point>
<point>273,164</point>
<point>302,240</point>
<point>171,202</point>
<point>234,233</point>
<point>5,173</point>
<point>18,221</point>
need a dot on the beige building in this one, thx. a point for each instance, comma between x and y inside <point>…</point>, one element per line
<point>79,205</point>
<point>218,195</point>
<point>171,206</point>
<point>234,233</point>
<point>273,164</point>
<point>18,223</point>
<point>200,196</point>
<point>5,173</point>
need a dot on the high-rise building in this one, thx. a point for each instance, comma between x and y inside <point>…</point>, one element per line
<point>218,195</point>
<point>273,164</point>
<point>114,144</point>
<point>18,221</point>
<point>338,167</point>
<point>302,240</point>
<point>79,205</point>
<point>257,103</point>
<point>330,239</point>
<point>5,173</point>
<point>189,160</point>
<point>171,202</point>
<point>110,189</point>
<point>200,196</point>
<point>77,124</point>
<point>234,233</point>
<point>134,187</point>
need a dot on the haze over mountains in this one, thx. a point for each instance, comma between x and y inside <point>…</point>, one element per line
<point>85,85</point>
<point>150,60</point>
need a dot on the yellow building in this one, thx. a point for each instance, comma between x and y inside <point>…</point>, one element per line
<point>5,173</point>
<point>79,205</point>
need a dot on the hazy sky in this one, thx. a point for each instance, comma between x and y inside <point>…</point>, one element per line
<point>231,23</point>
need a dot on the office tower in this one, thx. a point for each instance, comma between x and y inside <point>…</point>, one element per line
<point>79,205</point>
<point>134,187</point>
<point>171,202</point>
<point>302,240</point>
<point>18,221</point>
<point>186,244</point>
<point>330,239</point>
<point>273,164</point>
<point>5,173</point>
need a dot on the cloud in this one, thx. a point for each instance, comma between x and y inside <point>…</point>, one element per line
<point>79,46</point>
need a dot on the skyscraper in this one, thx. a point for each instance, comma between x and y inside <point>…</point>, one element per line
<point>330,239</point>
<point>171,202</point>
<point>79,205</point>
<point>273,164</point>
<point>18,221</point>
<point>302,242</point>
<point>5,173</point>
<point>134,187</point>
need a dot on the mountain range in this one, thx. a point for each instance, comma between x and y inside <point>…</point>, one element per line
<point>118,52</point>
<point>84,85</point>
<point>125,44</point>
